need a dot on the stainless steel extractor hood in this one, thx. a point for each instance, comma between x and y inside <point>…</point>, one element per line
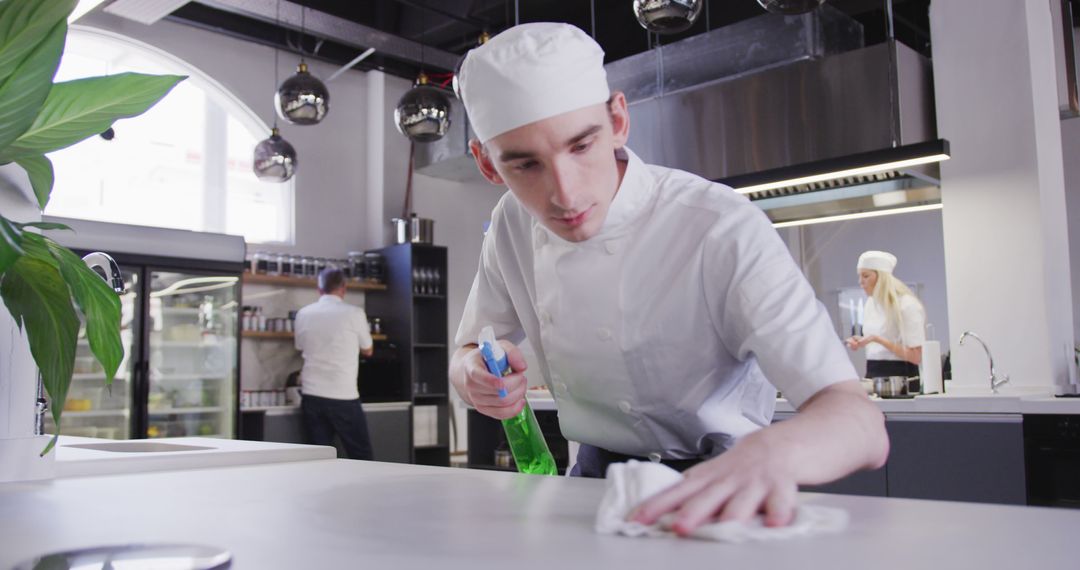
<point>747,103</point>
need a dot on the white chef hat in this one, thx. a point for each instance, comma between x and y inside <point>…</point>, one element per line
<point>878,260</point>
<point>529,73</point>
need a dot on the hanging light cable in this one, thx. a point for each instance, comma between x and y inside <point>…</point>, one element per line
<point>274,158</point>
<point>302,99</point>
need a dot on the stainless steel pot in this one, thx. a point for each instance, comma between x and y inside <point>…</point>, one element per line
<point>414,229</point>
<point>890,386</point>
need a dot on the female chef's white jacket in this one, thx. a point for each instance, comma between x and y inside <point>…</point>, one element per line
<point>668,330</point>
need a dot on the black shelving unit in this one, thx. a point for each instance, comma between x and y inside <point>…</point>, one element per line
<point>416,321</point>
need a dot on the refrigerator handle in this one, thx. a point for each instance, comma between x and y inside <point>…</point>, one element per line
<point>142,395</point>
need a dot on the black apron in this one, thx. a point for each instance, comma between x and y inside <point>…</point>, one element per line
<point>593,461</point>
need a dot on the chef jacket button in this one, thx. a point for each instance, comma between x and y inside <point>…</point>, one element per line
<point>541,237</point>
<point>655,457</point>
<point>561,388</point>
<point>611,246</point>
<point>603,333</point>
<point>625,406</point>
<point>546,317</point>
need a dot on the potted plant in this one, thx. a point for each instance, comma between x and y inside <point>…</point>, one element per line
<point>43,285</point>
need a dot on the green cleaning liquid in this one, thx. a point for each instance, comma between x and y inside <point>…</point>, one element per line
<point>527,444</point>
<point>531,453</point>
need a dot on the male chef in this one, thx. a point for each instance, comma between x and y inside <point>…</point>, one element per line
<point>663,308</point>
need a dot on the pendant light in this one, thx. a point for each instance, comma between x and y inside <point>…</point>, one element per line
<point>667,16</point>
<point>302,99</point>
<point>274,159</point>
<point>423,112</point>
<point>790,7</point>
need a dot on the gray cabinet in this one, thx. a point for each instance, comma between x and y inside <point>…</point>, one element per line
<point>957,457</point>
<point>952,457</point>
<point>389,425</point>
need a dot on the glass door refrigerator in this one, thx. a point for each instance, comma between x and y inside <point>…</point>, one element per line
<point>180,375</point>
<point>94,409</point>
<point>191,365</point>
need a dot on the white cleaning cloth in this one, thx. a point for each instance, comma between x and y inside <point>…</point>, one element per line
<point>631,483</point>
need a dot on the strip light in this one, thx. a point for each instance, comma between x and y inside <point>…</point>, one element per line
<point>860,215</point>
<point>872,162</point>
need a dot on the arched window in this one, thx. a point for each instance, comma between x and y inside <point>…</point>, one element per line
<point>185,163</point>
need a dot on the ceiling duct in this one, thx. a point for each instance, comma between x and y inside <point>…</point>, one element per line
<point>775,100</point>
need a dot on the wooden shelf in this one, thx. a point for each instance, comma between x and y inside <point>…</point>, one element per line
<point>286,281</point>
<point>281,335</point>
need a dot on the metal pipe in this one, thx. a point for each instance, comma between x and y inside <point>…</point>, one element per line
<point>337,29</point>
<point>894,80</point>
<point>1070,56</point>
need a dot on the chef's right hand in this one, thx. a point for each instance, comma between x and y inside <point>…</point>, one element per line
<point>483,387</point>
<point>853,342</point>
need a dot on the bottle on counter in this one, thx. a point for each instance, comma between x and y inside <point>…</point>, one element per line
<point>355,264</point>
<point>262,262</point>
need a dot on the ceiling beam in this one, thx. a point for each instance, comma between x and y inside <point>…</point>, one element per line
<point>340,30</point>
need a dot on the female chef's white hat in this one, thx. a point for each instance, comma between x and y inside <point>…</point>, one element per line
<point>877,260</point>
<point>529,73</point>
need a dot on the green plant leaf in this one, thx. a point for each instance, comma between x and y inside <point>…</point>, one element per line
<point>23,92</point>
<point>40,170</point>
<point>75,110</point>
<point>38,299</point>
<point>98,303</point>
<point>43,226</point>
<point>10,244</point>
<point>23,24</point>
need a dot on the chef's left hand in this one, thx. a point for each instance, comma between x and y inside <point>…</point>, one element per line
<point>748,479</point>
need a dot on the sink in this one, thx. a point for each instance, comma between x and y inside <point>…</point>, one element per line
<point>138,446</point>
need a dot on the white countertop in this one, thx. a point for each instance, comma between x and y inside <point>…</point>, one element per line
<point>355,514</point>
<point>73,459</point>
<point>967,404</point>
<point>931,403</point>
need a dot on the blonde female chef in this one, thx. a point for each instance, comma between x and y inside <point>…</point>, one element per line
<point>894,320</point>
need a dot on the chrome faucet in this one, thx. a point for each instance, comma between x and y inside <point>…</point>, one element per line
<point>995,380</point>
<point>104,265</point>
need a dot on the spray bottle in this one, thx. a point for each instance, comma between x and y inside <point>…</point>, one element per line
<point>530,450</point>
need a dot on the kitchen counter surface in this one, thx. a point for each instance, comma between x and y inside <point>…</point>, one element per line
<point>929,404</point>
<point>962,404</point>
<point>353,514</point>
<point>83,456</point>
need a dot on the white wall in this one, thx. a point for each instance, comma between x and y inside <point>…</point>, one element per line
<point>331,180</point>
<point>830,252</point>
<point>1070,143</point>
<point>1006,241</point>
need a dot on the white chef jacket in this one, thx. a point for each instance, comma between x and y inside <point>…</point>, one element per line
<point>661,334</point>
<point>330,333</point>
<point>875,322</point>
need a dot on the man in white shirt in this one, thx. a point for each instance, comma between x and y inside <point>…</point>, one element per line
<point>664,309</point>
<point>332,335</point>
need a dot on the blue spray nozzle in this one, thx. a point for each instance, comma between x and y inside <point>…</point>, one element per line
<point>493,364</point>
